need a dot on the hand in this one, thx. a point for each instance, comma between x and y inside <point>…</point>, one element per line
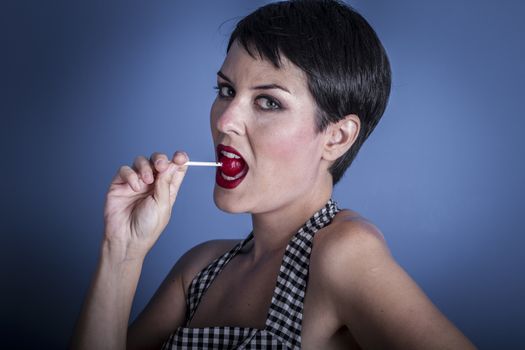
<point>139,202</point>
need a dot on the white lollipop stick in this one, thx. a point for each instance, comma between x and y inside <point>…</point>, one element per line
<point>203,163</point>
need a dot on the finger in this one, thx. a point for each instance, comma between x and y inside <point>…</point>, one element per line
<point>168,182</point>
<point>179,158</point>
<point>127,175</point>
<point>144,169</point>
<point>159,161</point>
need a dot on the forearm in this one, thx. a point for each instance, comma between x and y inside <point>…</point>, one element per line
<point>104,318</point>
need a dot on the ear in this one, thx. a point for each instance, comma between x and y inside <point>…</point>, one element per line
<point>341,136</point>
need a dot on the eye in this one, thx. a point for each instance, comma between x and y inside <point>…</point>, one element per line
<point>267,103</point>
<point>225,91</point>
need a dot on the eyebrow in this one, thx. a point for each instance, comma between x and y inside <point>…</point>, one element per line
<point>258,87</point>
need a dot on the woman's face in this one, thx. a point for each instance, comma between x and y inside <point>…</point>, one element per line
<point>264,131</point>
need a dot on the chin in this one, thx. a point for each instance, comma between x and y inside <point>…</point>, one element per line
<point>227,202</point>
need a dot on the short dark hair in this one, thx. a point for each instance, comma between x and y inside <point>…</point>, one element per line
<point>347,68</point>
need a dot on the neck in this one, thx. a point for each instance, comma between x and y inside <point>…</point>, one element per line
<point>273,230</point>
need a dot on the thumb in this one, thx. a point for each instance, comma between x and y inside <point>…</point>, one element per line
<point>169,181</point>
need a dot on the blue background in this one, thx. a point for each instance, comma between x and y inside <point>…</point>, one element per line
<point>87,86</point>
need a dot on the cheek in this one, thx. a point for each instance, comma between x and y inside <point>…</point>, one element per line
<point>289,145</point>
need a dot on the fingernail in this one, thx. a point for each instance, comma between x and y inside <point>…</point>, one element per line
<point>181,157</point>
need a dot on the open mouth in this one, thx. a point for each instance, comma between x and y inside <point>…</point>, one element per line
<point>233,169</point>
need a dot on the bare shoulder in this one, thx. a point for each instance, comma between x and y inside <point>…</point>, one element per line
<point>371,294</point>
<point>201,255</point>
<point>352,241</point>
<point>167,309</point>
<point>347,254</point>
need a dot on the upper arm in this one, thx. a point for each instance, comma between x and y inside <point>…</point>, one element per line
<point>166,311</point>
<point>375,298</point>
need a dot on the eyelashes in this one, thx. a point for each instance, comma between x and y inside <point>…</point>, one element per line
<point>267,103</point>
<point>224,91</point>
<point>263,102</point>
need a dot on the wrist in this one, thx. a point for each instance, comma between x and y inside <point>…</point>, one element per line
<point>119,252</point>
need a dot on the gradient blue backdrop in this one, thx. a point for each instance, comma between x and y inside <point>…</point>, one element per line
<point>87,86</point>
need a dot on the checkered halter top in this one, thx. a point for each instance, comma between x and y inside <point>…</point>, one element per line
<point>283,323</point>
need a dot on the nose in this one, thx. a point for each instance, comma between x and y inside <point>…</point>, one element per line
<point>229,117</point>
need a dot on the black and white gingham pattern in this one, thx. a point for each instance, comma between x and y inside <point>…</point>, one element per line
<point>286,311</point>
<point>283,324</point>
<point>202,281</point>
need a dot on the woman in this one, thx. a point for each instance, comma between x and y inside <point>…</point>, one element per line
<point>303,85</point>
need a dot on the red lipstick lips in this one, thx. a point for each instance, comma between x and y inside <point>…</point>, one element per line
<point>233,169</point>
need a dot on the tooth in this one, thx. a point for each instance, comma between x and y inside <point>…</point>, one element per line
<point>231,178</point>
<point>238,175</point>
<point>230,155</point>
